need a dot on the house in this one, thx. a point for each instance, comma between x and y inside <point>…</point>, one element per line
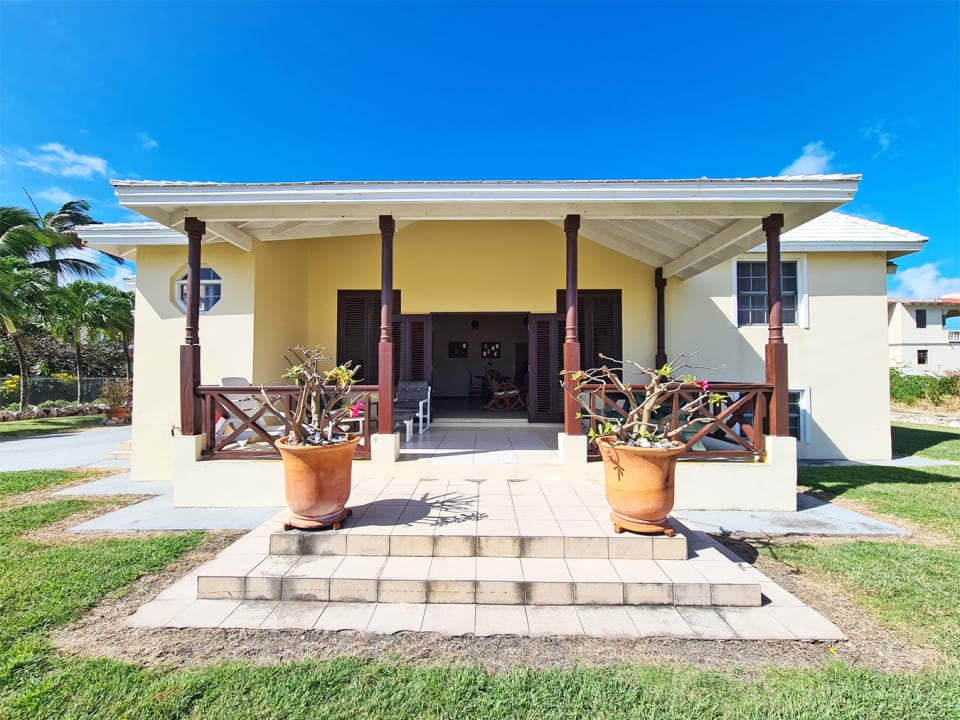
<point>527,277</point>
<point>921,341</point>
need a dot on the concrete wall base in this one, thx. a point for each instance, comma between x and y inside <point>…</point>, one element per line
<point>384,449</point>
<point>572,449</point>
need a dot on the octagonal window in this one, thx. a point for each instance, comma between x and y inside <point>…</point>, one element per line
<point>209,290</point>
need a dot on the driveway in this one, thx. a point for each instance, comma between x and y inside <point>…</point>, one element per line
<point>85,448</point>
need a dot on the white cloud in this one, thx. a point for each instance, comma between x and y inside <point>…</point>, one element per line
<point>924,281</point>
<point>814,160</point>
<point>147,142</point>
<point>55,195</point>
<point>55,159</point>
<point>876,132</point>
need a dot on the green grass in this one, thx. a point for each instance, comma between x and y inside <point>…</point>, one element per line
<point>929,496</point>
<point>46,586</point>
<point>48,426</point>
<point>929,441</point>
<point>18,481</point>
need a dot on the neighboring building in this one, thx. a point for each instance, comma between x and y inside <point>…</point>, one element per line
<point>921,342</point>
<point>481,266</point>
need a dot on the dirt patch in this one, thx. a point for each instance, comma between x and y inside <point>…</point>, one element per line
<point>925,413</point>
<point>102,633</point>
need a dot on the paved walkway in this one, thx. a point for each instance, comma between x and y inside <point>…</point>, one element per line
<point>85,448</point>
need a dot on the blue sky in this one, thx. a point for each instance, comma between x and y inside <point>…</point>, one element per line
<point>287,91</point>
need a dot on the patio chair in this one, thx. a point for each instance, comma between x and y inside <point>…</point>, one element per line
<point>503,395</point>
<point>249,405</point>
<point>474,385</point>
<point>412,402</point>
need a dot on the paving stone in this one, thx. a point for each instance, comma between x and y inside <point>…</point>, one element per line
<point>249,614</point>
<point>630,547</point>
<point>559,620</point>
<point>541,547</point>
<point>345,616</point>
<point>262,588</point>
<point>157,613</point>
<point>585,547</point>
<point>325,542</point>
<point>707,623</point>
<point>285,543</point>
<point>291,614</point>
<point>606,622</point>
<point>389,618</point>
<point>806,623</point>
<point>453,620</point>
<point>451,591</point>
<point>454,545</point>
<point>494,546</point>
<point>203,613</point>
<point>659,622</point>
<point>214,587</point>
<point>411,545</point>
<point>367,544</point>
<point>500,592</point>
<point>755,624</point>
<point>305,589</point>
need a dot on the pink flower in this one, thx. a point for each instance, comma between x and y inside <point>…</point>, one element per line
<point>356,408</point>
<point>703,385</point>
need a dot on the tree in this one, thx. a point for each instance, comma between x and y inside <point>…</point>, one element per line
<point>45,241</point>
<point>24,294</point>
<point>117,313</point>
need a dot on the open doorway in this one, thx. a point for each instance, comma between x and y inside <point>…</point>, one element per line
<point>465,346</point>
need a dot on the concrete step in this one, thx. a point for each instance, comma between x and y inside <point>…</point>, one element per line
<point>123,452</point>
<point>400,541</point>
<point>480,580</point>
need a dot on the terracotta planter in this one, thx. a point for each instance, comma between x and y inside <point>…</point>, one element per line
<point>118,413</point>
<point>317,483</point>
<point>639,484</point>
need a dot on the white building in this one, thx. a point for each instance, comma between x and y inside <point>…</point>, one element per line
<point>923,339</point>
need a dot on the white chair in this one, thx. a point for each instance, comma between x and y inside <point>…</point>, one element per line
<point>249,405</point>
<point>412,402</point>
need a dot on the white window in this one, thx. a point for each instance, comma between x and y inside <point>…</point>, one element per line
<point>798,414</point>
<point>209,290</point>
<point>750,292</point>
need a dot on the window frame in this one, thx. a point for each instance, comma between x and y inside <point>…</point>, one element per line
<point>803,412</point>
<point>923,356</point>
<point>180,289</point>
<point>920,318</point>
<point>803,308</point>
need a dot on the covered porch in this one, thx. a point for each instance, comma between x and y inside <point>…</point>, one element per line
<point>675,229</point>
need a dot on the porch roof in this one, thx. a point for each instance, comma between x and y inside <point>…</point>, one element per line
<point>683,226</point>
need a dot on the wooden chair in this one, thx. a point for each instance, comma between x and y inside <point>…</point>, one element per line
<point>503,395</point>
<point>412,402</point>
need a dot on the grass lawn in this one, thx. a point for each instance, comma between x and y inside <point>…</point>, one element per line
<point>44,586</point>
<point>18,481</point>
<point>47,426</point>
<point>929,441</point>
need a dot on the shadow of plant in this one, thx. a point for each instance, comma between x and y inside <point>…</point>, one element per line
<point>428,510</point>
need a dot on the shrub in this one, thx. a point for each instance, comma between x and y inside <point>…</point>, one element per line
<point>911,389</point>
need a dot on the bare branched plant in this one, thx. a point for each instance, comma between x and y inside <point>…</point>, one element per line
<point>649,419</point>
<point>326,398</point>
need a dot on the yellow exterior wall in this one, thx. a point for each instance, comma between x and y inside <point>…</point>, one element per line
<point>841,357</point>
<point>281,310</point>
<point>160,330</point>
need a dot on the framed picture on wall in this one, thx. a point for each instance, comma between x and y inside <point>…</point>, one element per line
<point>458,349</point>
<point>490,350</point>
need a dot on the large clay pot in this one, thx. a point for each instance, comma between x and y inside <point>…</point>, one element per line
<point>317,483</point>
<point>639,484</point>
<point>118,413</point>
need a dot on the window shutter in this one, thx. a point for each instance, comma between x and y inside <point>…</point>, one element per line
<point>545,402</point>
<point>358,331</point>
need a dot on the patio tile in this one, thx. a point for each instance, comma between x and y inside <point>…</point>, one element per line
<point>707,623</point>
<point>367,544</point>
<point>183,589</point>
<point>630,547</point>
<point>639,571</point>
<point>585,547</point>
<point>501,620</point>
<point>157,613</point>
<point>776,596</point>
<point>402,591</point>
<point>249,614</point>
<point>454,545</point>
<point>316,566</point>
<point>262,588</point>
<point>345,616</point>
<point>453,620</point>
<point>499,568</point>
<point>274,565</point>
<point>806,623</point>
<point>541,547</point>
<point>203,614</point>
<point>390,618</point>
<point>324,543</point>
<point>498,546</point>
<point>291,614</point>
<point>500,592</point>
<point>559,620</point>
<point>606,622</point>
<point>213,587</point>
<point>538,528</point>
<point>755,624</point>
<point>305,588</point>
<point>540,569</point>
<point>411,545</point>
<point>659,622</point>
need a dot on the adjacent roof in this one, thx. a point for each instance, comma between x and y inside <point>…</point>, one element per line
<point>683,226</point>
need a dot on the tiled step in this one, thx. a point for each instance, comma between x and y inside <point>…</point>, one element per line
<point>123,452</point>
<point>400,541</point>
<point>480,580</point>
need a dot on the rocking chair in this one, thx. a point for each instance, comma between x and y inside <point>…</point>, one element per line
<point>503,395</point>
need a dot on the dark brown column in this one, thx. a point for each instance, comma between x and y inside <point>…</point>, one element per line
<point>385,379</point>
<point>661,283</point>
<point>190,350</point>
<point>571,346</point>
<point>776,348</point>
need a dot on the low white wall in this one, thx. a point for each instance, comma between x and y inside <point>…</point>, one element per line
<point>713,485</point>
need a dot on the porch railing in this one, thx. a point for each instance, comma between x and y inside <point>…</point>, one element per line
<point>733,429</point>
<point>237,423</point>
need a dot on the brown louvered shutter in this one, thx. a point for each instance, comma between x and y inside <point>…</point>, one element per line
<point>599,324</point>
<point>413,348</point>
<point>545,402</point>
<point>358,330</point>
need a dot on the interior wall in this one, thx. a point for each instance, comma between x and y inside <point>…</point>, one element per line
<point>450,375</point>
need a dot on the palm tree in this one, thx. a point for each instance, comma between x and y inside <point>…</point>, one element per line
<point>41,241</point>
<point>24,292</point>
<point>116,310</point>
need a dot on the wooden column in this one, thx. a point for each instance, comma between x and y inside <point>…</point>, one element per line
<point>776,348</point>
<point>385,379</point>
<point>571,346</point>
<point>190,350</point>
<point>661,283</point>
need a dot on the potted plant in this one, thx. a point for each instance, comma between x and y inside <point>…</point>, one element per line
<point>317,451</point>
<point>116,394</point>
<point>640,442</point>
